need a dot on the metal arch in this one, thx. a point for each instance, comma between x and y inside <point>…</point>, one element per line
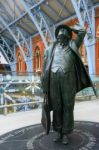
<point>7,52</point>
<point>33,18</point>
<point>24,14</point>
<point>87,16</point>
<point>11,32</point>
<point>48,31</point>
<point>28,52</point>
<point>18,43</point>
<point>39,25</point>
<point>5,55</point>
<point>24,40</point>
<point>93,21</point>
<point>7,48</point>
<point>87,41</point>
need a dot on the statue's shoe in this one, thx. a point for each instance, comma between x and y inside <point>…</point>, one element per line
<point>58,138</point>
<point>65,140</point>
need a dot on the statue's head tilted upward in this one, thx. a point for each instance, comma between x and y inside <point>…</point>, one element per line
<point>63,34</point>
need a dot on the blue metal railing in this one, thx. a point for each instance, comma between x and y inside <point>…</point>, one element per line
<point>23,92</point>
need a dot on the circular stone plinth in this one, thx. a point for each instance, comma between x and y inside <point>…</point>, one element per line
<point>84,137</point>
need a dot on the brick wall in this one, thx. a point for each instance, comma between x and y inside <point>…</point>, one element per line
<point>38,51</point>
<point>21,65</point>
<point>97,45</point>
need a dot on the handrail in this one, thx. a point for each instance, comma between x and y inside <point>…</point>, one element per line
<point>19,104</point>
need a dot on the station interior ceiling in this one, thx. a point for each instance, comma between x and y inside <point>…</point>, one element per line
<point>13,14</point>
<point>20,20</point>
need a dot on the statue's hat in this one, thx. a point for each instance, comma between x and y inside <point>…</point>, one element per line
<point>63,27</point>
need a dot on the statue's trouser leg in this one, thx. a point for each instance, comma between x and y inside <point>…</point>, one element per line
<point>62,88</point>
<point>56,102</point>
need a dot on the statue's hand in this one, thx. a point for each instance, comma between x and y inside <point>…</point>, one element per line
<point>78,28</point>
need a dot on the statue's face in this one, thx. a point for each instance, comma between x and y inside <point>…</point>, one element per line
<point>63,36</point>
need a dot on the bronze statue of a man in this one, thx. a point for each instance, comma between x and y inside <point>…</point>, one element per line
<point>63,76</point>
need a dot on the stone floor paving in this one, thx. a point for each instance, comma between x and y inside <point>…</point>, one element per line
<point>84,111</point>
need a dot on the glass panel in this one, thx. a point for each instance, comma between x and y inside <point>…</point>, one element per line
<point>24,92</point>
<point>20,92</point>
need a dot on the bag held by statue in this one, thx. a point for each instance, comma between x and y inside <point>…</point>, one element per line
<point>46,119</point>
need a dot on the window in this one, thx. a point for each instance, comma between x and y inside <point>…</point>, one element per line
<point>38,59</point>
<point>19,63</point>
